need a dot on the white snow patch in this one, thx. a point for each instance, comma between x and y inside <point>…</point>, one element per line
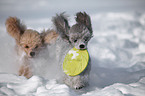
<point>27,86</point>
<point>142,47</point>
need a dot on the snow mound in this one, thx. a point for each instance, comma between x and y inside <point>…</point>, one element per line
<point>35,86</point>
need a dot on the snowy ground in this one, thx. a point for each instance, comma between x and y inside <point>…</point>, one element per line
<point>117,51</point>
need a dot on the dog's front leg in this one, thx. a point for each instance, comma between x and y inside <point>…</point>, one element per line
<point>25,68</point>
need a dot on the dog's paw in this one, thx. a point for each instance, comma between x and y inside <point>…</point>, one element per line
<point>79,87</point>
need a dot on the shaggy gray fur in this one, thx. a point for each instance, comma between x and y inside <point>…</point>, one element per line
<point>76,36</point>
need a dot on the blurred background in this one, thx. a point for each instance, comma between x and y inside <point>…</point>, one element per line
<point>30,10</point>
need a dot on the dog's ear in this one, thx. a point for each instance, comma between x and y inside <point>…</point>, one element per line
<point>49,36</point>
<point>62,26</point>
<point>84,18</point>
<point>15,28</point>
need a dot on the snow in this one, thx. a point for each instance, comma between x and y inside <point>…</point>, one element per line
<point>117,52</point>
<point>35,86</point>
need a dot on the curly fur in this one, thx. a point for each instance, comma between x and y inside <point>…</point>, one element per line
<point>28,43</point>
<point>76,36</point>
<point>84,19</point>
<point>15,28</point>
<point>62,25</point>
<point>49,36</point>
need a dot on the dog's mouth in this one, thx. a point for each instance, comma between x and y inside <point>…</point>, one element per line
<point>83,49</point>
<point>31,56</point>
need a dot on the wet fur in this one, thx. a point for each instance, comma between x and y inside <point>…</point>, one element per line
<point>69,37</point>
<point>28,41</point>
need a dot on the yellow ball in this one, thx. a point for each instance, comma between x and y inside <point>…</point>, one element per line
<point>75,61</point>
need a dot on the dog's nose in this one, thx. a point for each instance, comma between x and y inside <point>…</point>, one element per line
<point>82,46</point>
<point>32,54</point>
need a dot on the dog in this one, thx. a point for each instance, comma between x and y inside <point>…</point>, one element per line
<point>28,43</point>
<point>76,36</point>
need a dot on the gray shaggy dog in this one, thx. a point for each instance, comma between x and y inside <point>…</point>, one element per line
<point>76,36</point>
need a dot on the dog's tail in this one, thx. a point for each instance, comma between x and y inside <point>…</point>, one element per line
<point>14,27</point>
<point>84,18</point>
<point>61,24</point>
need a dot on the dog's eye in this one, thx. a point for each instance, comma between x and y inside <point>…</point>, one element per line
<point>26,46</point>
<point>75,41</point>
<point>86,39</point>
<point>36,47</point>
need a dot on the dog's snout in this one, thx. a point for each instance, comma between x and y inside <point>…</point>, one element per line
<point>32,54</point>
<point>82,46</point>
